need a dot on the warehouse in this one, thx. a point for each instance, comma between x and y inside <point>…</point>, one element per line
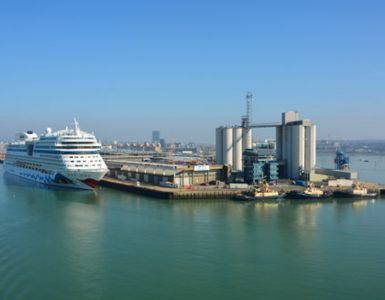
<point>168,174</point>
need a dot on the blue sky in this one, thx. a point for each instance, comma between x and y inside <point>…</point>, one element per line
<point>124,68</point>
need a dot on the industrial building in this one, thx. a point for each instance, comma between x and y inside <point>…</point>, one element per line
<point>319,174</point>
<point>295,143</point>
<point>341,172</point>
<point>171,175</point>
<point>259,167</point>
<point>232,141</point>
<point>230,144</point>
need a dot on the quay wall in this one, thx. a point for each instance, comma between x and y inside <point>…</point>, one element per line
<point>169,193</point>
<point>211,193</point>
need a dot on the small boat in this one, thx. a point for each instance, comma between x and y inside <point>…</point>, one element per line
<point>310,193</point>
<point>262,193</point>
<point>357,191</point>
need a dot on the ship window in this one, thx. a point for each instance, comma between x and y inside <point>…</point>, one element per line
<point>81,142</point>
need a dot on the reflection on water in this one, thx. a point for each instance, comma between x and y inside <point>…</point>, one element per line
<point>107,244</point>
<point>266,211</point>
<point>307,214</point>
<point>360,204</point>
<point>356,204</point>
<point>266,205</point>
<point>16,185</point>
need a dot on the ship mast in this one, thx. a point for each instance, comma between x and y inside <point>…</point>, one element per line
<point>76,127</point>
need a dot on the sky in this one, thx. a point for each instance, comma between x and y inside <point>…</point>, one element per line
<point>125,68</point>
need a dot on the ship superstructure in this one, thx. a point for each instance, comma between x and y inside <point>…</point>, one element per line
<point>65,158</point>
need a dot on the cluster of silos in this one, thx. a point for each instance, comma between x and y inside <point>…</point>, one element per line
<point>230,144</point>
<point>296,145</point>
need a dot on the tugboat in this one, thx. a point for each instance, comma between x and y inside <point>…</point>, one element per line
<point>357,191</point>
<point>262,193</point>
<point>310,193</point>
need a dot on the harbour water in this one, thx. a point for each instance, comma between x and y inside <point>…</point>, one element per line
<point>108,244</point>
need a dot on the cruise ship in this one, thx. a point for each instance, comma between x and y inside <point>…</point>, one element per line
<point>66,158</point>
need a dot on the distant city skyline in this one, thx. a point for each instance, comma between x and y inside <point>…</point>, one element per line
<point>123,68</point>
<point>155,136</point>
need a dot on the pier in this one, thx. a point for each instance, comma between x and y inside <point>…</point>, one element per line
<point>170,193</point>
<point>198,192</point>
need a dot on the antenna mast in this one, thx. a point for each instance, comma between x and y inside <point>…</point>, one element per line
<point>249,102</point>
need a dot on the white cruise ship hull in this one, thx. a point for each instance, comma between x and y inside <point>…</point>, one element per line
<point>62,179</point>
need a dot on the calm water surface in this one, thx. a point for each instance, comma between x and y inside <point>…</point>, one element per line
<point>112,245</point>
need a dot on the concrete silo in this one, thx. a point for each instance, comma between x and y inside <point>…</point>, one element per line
<point>296,145</point>
<point>227,134</point>
<point>247,138</point>
<point>219,145</point>
<point>310,148</point>
<point>296,159</point>
<point>237,148</point>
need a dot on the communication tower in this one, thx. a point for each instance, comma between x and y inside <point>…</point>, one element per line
<point>246,119</point>
<point>246,123</point>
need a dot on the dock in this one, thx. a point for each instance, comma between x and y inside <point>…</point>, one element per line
<point>170,193</point>
<point>211,192</point>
